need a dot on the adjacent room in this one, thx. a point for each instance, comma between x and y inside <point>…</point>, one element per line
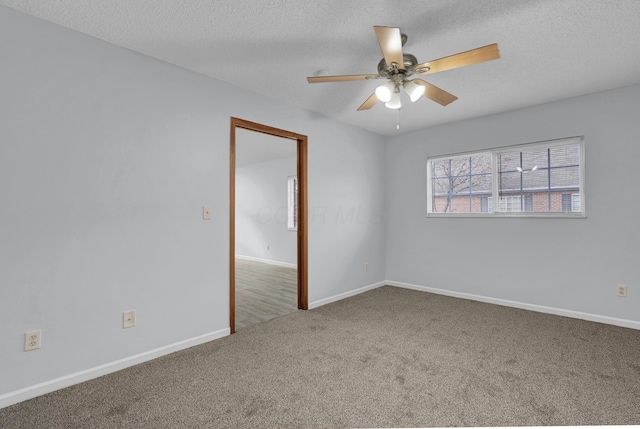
<point>446,235</point>
<point>266,248</point>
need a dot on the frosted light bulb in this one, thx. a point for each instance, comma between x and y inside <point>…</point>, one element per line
<point>394,102</point>
<point>385,92</point>
<point>414,90</point>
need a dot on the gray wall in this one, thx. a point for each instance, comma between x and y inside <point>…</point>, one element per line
<point>106,159</point>
<point>570,264</point>
<point>261,211</point>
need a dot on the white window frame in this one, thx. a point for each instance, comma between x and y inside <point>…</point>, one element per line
<point>495,154</point>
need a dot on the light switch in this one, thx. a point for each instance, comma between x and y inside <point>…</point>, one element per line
<point>206,213</point>
<point>129,319</point>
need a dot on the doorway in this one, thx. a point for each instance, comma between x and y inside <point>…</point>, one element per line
<point>238,126</point>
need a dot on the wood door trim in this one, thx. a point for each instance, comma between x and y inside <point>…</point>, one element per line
<point>301,169</point>
<point>303,205</point>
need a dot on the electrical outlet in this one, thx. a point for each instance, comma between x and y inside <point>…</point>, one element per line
<point>206,213</point>
<point>129,319</point>
<point>366,266</point>
<point>621,290</point>
<point>32,340</point>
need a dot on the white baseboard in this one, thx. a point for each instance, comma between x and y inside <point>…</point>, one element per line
<point>267,261</point>
<point>533,307</point>
<point>17,396</point>
<point>344,295</point>
<point>98,371</point>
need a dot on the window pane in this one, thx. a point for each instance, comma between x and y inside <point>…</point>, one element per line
<point>458,184</point>
<point>541,175</point>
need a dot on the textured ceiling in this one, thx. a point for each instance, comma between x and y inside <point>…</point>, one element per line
<point>550,49</point>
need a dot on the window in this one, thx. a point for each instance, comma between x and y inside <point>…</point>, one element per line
<point>571,203</point>
<point>566,202</point>
<point>512,204</point>
<point>537,179</point>
<point>459,184</point>
<point>575,203</point>
<point>292,214</point>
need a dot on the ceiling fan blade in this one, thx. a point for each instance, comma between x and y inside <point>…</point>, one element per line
<point>343,78</point>
<point>436,94</point>
<point>474,56</point>
<point>369,103</point>
<point>391,44</point>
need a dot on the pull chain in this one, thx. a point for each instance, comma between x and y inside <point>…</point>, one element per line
<point>398,119</point>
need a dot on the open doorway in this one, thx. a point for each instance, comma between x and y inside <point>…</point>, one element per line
<point>253,257</point>
<point>266,274</point>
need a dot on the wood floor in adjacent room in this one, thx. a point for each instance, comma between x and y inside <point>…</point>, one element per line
<point>264,291</point>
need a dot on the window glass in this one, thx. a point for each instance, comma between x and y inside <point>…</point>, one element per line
<point>537,178</point>
<point>542,174</point>
<point>459,184</point>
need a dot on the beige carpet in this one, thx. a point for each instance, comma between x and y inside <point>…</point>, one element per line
<point>386,358</point>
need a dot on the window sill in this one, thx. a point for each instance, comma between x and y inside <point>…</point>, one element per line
<point>508,215</point>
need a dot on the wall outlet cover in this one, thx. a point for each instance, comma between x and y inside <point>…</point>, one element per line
<point>32,340</point>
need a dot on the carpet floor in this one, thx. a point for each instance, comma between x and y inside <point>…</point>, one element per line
<point>389,357</point>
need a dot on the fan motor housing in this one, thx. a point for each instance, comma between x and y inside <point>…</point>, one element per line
<point>410,62</point>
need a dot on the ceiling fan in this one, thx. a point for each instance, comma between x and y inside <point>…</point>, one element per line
<point>397,67</point>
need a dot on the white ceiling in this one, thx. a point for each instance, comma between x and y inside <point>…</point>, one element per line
<point>550,49</point>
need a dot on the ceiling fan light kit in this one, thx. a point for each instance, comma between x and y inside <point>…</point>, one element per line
<point>394,102</point>
<point>385,91</point>
<point>413,90</point>
<point>397,67</point>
